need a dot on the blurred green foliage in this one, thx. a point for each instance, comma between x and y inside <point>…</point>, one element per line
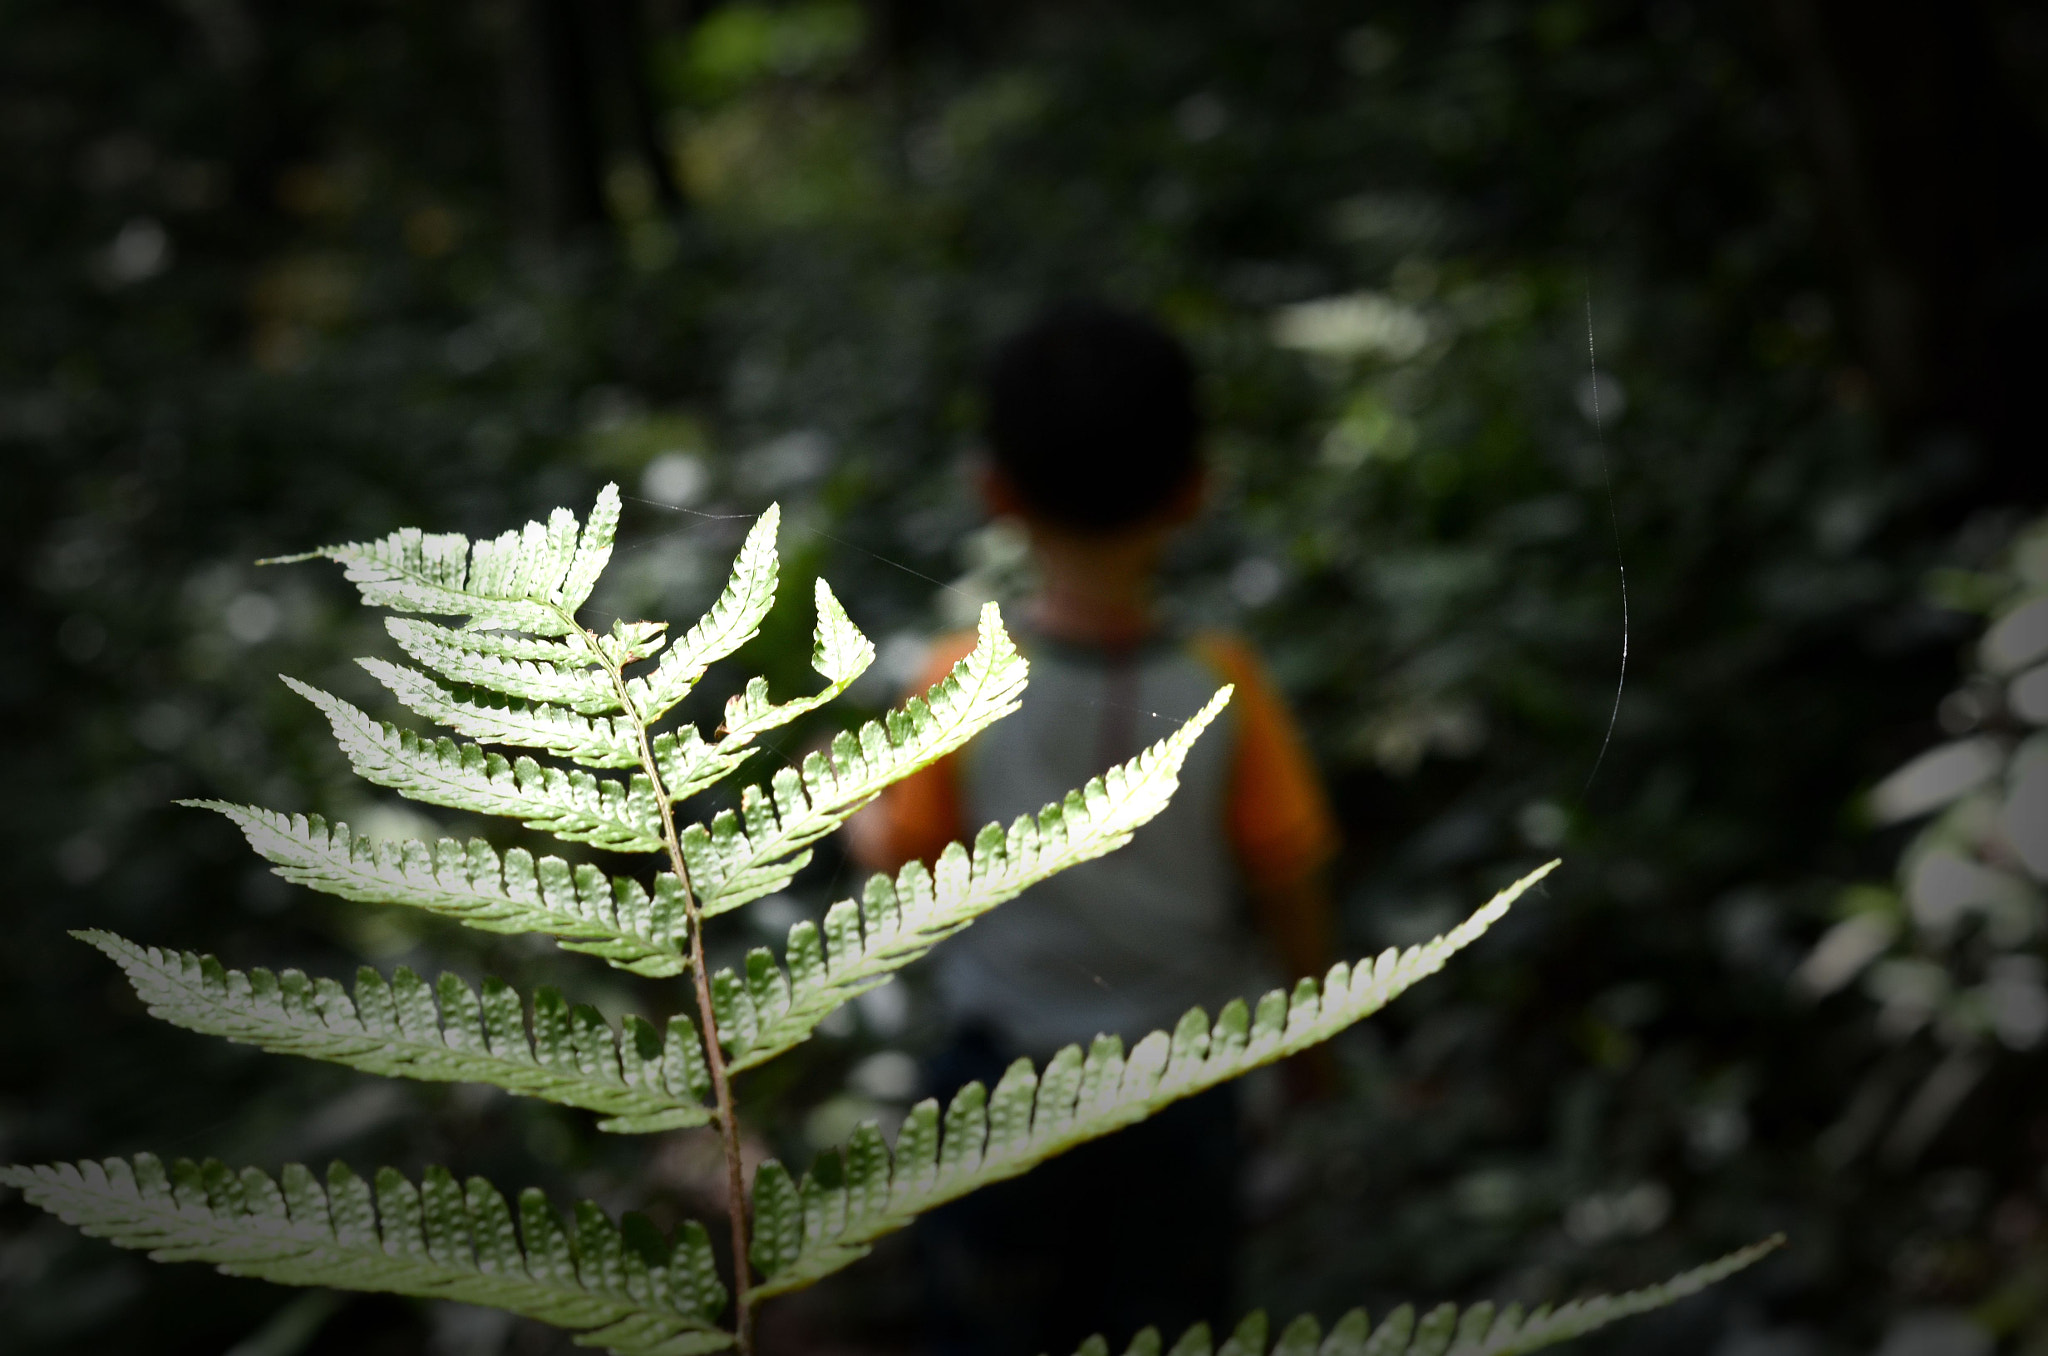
<point>281,275</point>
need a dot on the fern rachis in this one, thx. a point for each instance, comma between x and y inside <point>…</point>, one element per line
<point>517,669</point>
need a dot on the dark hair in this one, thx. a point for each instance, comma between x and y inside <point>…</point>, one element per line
<point>1092,414</point>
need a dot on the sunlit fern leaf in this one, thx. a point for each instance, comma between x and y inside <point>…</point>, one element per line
<point>688,762</point>
<point>404,1028</point>
<point>574,806</point>
<point>1478,1330</point>
<point>594,741</point>
<point>532,579</point>
<point>584,910</point>
<point>1031,1117</point>
<point>626,643</point>
<point>744,856</point>
<point>860,947</point>
<point>839,651</point>
<point>731,623</point>
<point>562,672</point>
<point>624,1288</point>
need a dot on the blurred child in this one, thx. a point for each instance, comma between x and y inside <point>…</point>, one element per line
<point>1094,430</point>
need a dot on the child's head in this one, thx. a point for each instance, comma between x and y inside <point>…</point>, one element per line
<point>1093,420</point>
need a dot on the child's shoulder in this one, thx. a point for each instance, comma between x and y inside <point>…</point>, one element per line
<point>1231,656</point>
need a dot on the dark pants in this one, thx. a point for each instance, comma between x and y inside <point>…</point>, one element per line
<point>1138,1229</point>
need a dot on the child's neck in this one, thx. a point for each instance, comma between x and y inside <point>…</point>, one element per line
<point>1094,590</point>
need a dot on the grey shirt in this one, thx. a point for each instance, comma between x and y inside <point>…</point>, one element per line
<point>1127,943</point>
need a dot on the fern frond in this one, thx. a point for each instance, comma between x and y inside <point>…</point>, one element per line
<point>897,922</point>
<point>614,919</point>
<point>806,1232</point>
<point>530,580</point>
<point>731,623</point>
<point>403,1028</point>
<point>594,741</point>
<point>625,1288</point>
<point>626,643</point>
<point>756,852</point>
<point>557,672</point>
<point>838,651</point>
<point>688,762</point>
<point>574,806</point>
<point>1478,1330</point>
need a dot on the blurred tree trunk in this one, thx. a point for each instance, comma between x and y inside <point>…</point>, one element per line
<point>621,34</point>
<point>555,156</point>
<point>569,64</point>
<point>1930,136</point>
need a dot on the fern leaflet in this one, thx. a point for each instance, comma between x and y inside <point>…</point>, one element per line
<point>626,1287</point>
<point>530,580</point>
<point>1478,1330</point>
<point>839,651</point>
<point>574,806</point>
<point>638,1080</point>
<point>584,910</point>
<point>756,852</point>
<point>804,1232</point>
<point>594,741</point>
<point>688,762</point>
<point>557,672</point>
<point>862,946</point>
<point>731,623</point>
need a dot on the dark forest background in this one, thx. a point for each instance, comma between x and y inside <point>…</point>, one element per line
<point>274,275</point>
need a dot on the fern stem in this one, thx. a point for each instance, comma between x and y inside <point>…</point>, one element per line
<point>714,1053</point>
<point>721,1088</point>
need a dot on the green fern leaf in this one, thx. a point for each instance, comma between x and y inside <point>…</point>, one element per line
<point>574,806</point>
<point>612,918</point>
<point>862,946</point>
<point>639,1080</point>
<point>530,580</point>
<point>594,741</point>
<point>1032,1117</point>
<point>839,651</point>
<point>626,1288</point>
<point>1445,1331</point>
<point>731,623</point>
<point>689,763</point>
<point>627,643</point>
<point>556,672</point>
<point>756,852</point>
